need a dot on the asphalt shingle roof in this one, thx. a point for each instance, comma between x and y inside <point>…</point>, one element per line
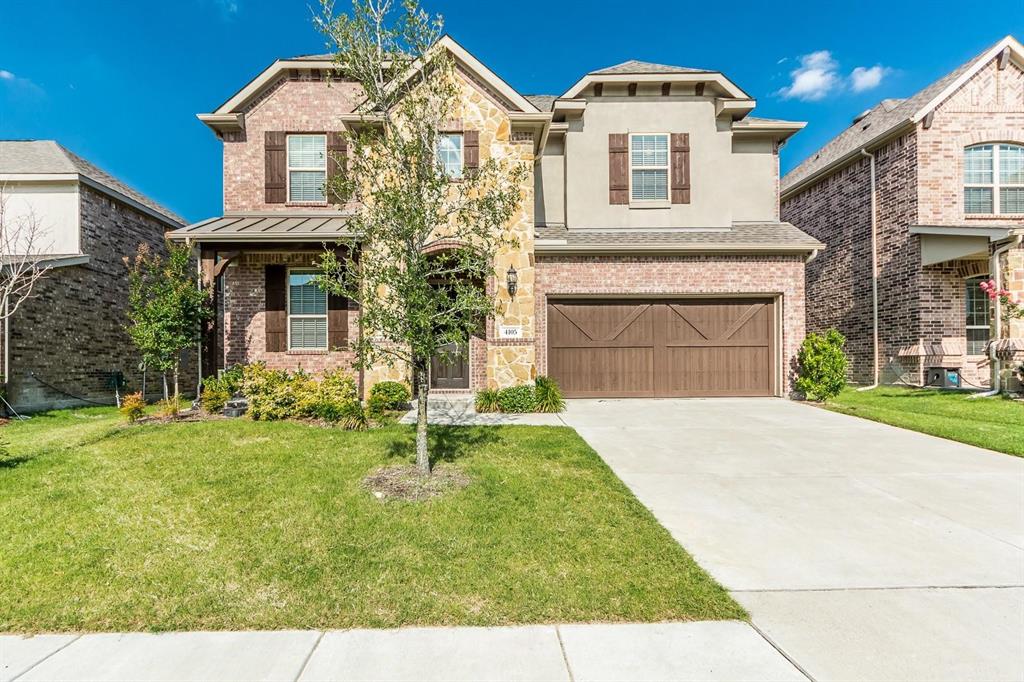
<point>27,157</point>
<point>756,236</point>
<point>636,66</point>
<point>542,102</point>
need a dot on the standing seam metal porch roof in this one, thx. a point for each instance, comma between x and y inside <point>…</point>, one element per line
<point>277,227</point>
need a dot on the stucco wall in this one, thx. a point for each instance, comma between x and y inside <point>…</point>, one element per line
<point>724,186</point>
<point>53,206</point>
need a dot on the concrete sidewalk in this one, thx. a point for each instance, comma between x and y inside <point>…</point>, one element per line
<point>725,650</point>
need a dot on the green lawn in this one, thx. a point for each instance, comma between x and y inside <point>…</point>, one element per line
<point>994,423</point>
<point>239,524</point>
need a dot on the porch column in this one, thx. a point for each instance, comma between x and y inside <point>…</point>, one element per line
<point>211,331</point>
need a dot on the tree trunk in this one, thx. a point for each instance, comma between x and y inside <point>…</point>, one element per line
<point>164,375</point>
<point>177,394</point>
<point>422,455</point>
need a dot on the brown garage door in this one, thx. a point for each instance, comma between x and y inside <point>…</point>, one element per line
<point>662,348</point>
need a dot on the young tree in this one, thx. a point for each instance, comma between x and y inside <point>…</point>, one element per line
<point>22,245</point>
<point>166,309</point>
<point>426,240</point>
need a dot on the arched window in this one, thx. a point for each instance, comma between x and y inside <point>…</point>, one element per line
<point>994,179</point>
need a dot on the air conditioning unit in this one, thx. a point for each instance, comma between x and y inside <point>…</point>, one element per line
<point>942,377</point>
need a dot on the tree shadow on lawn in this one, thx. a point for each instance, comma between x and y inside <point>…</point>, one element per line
<point>446,443</point>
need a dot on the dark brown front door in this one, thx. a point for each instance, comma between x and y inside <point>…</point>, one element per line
<point>449,369</point>
<point>662,348</point>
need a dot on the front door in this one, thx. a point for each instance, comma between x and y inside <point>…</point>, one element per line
<point>449,368</point>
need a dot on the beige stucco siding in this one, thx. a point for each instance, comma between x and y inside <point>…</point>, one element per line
<point>724,186</point>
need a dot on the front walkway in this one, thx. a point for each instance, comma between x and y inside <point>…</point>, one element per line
<point>862,551</point>
<point>725,650</point>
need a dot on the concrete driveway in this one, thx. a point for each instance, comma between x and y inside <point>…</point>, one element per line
<point>862,551</point>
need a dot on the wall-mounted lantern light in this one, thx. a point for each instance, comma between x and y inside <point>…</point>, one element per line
<point>512,281</point>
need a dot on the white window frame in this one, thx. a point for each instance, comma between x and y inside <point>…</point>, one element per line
<point>667,168</point>
<point>967,314</point>
<point>289,316</point>
<point>462,153</point>
<point>289,168</point>
<point>996,183</point>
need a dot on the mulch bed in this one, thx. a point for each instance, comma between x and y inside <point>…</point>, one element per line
<point>406,483</point>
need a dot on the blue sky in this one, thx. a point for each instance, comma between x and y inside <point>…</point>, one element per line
<point>120,82</point>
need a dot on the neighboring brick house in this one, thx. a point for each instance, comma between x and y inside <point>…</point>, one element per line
<point>948,201</point>
<point>66,342</point>
<point>651,260</point>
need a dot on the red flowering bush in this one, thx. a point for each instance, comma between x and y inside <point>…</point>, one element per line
<point>1011,308</point>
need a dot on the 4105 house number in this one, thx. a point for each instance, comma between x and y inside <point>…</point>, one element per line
<point>506,331</point>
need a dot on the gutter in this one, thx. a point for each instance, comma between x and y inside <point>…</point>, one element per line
<point>874,274</point>
<point>997,277</point>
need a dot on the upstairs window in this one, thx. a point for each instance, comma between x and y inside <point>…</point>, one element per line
<point>977,316</point>
<point>648,167</point>
<point>307,168</point>
<point>994,179</point>
<point>449,154</point>
<point>307,312</point>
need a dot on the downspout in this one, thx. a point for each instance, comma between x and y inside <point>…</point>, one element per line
<point>874,276</point>
<point>997,277</point>
<point>199,346</point>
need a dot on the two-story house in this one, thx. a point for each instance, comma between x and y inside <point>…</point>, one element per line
<point>919,202</point>
<point>66,344</point>
<point>651,260</point>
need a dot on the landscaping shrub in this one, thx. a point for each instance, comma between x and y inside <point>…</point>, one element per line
<point>276,394</point>
<point>353,417</point>
<point>487,400</point>
<point>822,365</point>
<point>388,395</point>
<point>215,396</point>
<point>133,407</point>
<point>548,395</point>
<point>521,398</point>
<point>168,408</point>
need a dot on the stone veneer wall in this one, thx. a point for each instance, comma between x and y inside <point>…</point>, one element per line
<point>71,332</point>
<point>682,276</point>
<point>837,211</point>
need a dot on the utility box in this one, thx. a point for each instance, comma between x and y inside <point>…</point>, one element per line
<point>942,377</point>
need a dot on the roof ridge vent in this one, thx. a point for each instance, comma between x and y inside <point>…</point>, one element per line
<point>861,116</point>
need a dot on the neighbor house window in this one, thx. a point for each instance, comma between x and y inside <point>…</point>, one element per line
<point>307,312</point>
<point>648,167</point>
<point>307,168</point>
<point>449,154</point>
<point>977,316</point>
<point>994,179</point>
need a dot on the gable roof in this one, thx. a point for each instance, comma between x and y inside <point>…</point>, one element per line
<point>48,157</point>
<point>889,116</point>
<point>637,66</point>
<point>542,102</point>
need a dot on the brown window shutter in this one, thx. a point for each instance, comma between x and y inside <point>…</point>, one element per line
<point>618,168</point>
<point>471,148</point>
<point>276,309</point>
<point>275,167</point>
<point>337,322</point>
<point>680,168</point>
<point>337,147</point>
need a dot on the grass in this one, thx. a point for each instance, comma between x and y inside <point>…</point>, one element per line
<point>994,423</point>
<point>245,525</point>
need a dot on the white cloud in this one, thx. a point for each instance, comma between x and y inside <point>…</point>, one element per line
<point>18,84</point>
<point>228,8</point>
<point>815,78</point>
<point>6,75</point>
<point>863,78</point>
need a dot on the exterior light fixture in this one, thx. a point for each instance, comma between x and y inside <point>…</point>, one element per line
<point>512,281</point>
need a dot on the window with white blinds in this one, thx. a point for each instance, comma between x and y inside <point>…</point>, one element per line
<point>976,307</point>
<point>449,154</point>
<point>648,167</point>
<point>307,168</point>
<point>994,179</point>
<point>307,312</point>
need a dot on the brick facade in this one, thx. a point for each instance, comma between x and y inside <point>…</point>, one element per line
<point>919,178</point>
<point>70,334</point>
<point>780,276</point>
